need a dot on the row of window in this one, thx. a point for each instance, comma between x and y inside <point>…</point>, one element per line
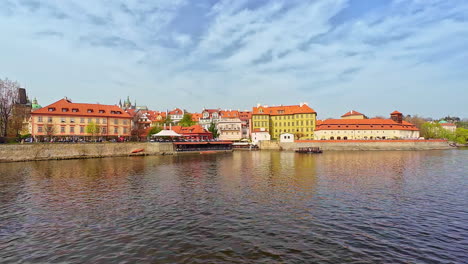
<point>285,117</point>
<point>40,119</point>
<point>71,130</point>
<point>76,110</point>
<point>365,132</point>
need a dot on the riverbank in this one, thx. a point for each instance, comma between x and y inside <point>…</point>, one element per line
<point>358,145</point>
<point>57,151</point>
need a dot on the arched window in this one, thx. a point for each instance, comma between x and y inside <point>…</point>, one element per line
<point>338,138</point>
<point>332,138</point>
<point>345,138</point>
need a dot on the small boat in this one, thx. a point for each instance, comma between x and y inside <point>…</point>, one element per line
<point>309,150</point>
<point>138,150</point>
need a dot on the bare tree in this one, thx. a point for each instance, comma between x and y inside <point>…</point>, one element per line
<point>8,100</point>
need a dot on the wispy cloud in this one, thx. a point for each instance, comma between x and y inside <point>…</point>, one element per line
<point>336,54</point>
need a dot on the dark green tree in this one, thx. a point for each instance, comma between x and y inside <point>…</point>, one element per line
<point>213,130</point>
<point>154,130</point>
<point>186,120</point>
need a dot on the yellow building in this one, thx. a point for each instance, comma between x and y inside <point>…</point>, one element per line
<point>296,119</point>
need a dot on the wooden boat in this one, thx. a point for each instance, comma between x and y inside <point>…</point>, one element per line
<point>309,150</point>
<point>138,150</point>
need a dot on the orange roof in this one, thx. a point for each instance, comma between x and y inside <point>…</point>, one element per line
<point>66,108</point>
<point>395,113</point>
<point>245,115</point>
<point>195,129</point>
<point>363,124</point>
<point>196,117</point>
<point>447,124</point>
<point>176,111</point>
<point>283,110</point>
<point>229,114</point>
<point>352,113</point>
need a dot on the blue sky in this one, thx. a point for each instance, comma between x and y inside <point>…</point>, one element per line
<point>337,55</point>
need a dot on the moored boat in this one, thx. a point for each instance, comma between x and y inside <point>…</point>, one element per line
<point>309,150</point>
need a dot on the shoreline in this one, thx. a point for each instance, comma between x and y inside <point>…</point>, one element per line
<point>66,151</point>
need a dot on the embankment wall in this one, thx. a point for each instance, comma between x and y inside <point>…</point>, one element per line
<point>359,144</point>
<point>51,151</point>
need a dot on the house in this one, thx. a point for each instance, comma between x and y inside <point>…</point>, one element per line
<point>195,132</point>
<point>363,128</point>
<point>260,135</point>
<point>229,125</point>
<point>209,116</point>
<point>448,126</point>
<point>176,115</point>
<point>67,119</point>
<point>245,117</point>
<point>287,137</point>
<point>297,119</point>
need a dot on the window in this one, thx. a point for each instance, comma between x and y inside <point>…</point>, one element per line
<point>51,109</point>
<point>125,122</point>
<point>75,110</point>
<point>72,120</point>
<point>104,130</point>
<point>125,130</point>
<point>72,130</point>
<point>49,119</point>
<point>116,121</point>
<point>104,121</point>
<point>39,119</point>
<point>97,120</point>
<point>90,120</point>
<point>81,129</point>
<point>102,111</point>
<point>62,129</point>
<point>62,119</point>
<point>39,129</point>
<point>90,110</point>
<point>82,120</point>
<point>116,130</point>
<point>64,109</point>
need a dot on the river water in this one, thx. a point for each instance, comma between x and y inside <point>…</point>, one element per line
<point>241,207</point>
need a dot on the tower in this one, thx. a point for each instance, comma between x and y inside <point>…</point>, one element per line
<point>397,117</point>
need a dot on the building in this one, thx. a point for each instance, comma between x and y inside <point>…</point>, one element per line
<point>245,117</point>
<point>67,119</point>
<point>353,115</point>
<point>260,135</point>
<point>297,119</point>
<point>361,128</point>
<point>176,115</point>
<point>196,117</point>
<point>229,125</point>
<point>448,126</point>
<point>126,105</point>
<point>209,116</point>
<point>195,132</point>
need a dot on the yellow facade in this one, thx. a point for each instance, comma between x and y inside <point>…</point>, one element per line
<point>301,125</point>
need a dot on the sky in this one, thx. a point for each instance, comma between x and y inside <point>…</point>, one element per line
<point>337,55</point>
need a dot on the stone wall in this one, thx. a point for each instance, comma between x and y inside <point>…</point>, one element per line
<point>359,145</point>
<point>49,151</point>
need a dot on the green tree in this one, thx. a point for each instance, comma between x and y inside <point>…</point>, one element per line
<point>166,121</point>
<point>461,135</point>
<point>431,130</point>
<point>213,130</point>
<point>93,129</point>
<point>186,120</point>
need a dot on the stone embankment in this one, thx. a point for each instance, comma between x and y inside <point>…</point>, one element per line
<point>54,151</point>
<point>359,144</point>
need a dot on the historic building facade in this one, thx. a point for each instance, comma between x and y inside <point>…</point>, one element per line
<point>361,128</point>
<point>229,125</point>
<point>296,119</point>
<point>67,119</point>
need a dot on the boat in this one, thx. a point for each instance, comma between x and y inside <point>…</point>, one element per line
<point>138,150</point>
<point>309,150</point>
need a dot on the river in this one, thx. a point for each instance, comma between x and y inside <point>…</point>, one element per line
<point>241,207</point>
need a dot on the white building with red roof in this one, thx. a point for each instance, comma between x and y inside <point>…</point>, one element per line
<point>363,128</point>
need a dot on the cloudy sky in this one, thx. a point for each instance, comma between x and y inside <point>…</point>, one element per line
<point>371,56</point>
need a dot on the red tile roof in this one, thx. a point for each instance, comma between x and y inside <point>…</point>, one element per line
<point>447,124</point>
<point>363,124</point>
<point>229,114</point>
<point>395,113</point>
<point>65,107</point>
<point>195,129</point>
<point>196,117</point>
<point>352,113</point>
<point>176,111</point>
<point>283,110</point>
<point>245,115</point>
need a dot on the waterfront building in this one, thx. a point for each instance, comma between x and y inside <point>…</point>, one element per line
<point>67,119</point>
<point>195,132</point>
<point>448,126</point>
<point>229,125</point>
<point>260,134</point>
<point>296,119</point>
<point>245,117</point>
<point>363,128</point>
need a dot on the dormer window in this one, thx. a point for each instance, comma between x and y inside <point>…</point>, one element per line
<point>64,109</point>
<point>118,112</point>
<point>51,109</point>
<point>75,110</point>
<point>102,111</point>
<point>90,110</point>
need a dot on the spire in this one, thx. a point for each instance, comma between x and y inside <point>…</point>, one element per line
<point>35,100</point>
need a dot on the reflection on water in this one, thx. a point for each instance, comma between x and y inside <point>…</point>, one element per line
<point>245,207</point>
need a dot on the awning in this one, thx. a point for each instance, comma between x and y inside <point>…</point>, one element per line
<point>166,133</point>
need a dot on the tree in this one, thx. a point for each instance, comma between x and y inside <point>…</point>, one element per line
<point>416,120</point>
<point>461,135</point>
<point>166,121</point>
<point>93,129</point>
<point>186,120</point>
<point>431,130</point>
<point>8,100</point>
<point>213,130</point>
